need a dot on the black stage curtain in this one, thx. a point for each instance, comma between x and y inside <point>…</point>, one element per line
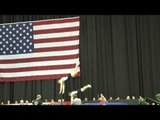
<point>119,55</point>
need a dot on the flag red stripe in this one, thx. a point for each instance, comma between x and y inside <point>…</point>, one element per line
<point>56,48</point>
<point>56,30</point>
<point>39,77</point>
<point>54,67</point>
<point>56,21</point>
<point>39,59</point>
<point>56,39</point>
<point>29,78</point>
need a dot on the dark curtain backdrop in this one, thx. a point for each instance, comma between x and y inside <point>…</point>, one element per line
<point>119,55</point>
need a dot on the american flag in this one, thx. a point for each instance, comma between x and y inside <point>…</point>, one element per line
<point>38,50</point>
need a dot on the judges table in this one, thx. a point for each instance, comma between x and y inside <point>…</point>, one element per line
<point>107,103</point>
<point>110,102</point>
<point>113,102</point>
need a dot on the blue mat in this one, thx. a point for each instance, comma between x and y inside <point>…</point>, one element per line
<point>109,103</point>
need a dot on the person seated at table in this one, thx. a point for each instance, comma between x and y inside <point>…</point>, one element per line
<point>21,102</point>
<point>26,102</point>
<point>102,99</point>
<point>38,100</point>
<point>76,100</point>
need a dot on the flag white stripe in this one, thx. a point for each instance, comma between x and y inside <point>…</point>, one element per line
<point>55,26</point>
<point>56,44</point>
<point>36,64</point>
<point>42,54</point>
<point>56,35</point>
<point>34,73</point>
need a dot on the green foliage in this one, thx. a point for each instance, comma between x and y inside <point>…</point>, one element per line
<point>142,101</point>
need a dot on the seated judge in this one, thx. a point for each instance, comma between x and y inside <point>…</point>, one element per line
<point>102,99</point>
<point>38,100</point>
<point>76,100</point>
